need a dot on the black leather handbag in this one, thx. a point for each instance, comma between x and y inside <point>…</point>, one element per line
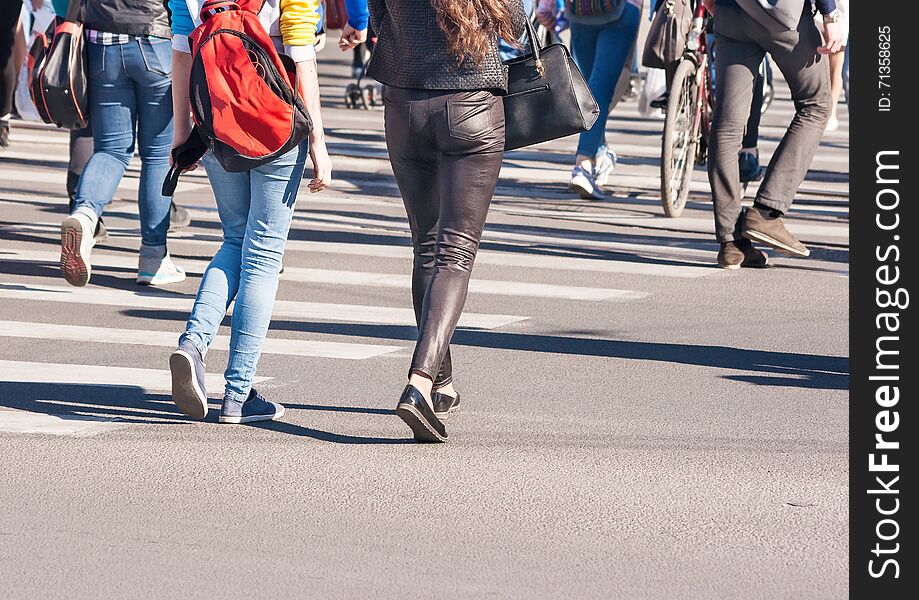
<point>57,71</point>
<point>547,97</point>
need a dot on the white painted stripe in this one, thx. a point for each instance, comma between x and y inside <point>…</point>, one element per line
<point>130,181</point>
<point>359,278</point>
<point>168,339</point>
<point>14,371</point>
<point>15,421</point>
<point>322,311</point>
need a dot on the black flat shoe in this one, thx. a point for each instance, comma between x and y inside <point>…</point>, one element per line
<point>414,410</point>
<point>444,404</point>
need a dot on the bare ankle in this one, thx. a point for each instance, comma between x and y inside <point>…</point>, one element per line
<point>423,384</point>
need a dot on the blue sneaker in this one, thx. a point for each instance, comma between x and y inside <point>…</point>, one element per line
<point>606,162</point>
<point>255,408</point>
<point>187,367</point>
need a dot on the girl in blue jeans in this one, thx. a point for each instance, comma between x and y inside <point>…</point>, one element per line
<point>255,208</point>
<point>601,40</point>
<point>129,62</point>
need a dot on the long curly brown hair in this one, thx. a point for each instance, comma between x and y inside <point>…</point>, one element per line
<point>471,26</point>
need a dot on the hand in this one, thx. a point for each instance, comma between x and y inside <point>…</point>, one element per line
<point>351,37</point>
<point>175,144</point>
<point>832,38</point>
<point>545,13</point>
<point>320,42</point>
<point>322,167</point>
<point>37,4</point>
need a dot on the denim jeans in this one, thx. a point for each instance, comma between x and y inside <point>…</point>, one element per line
<point>600,51</point>
<point>255,209</point>
<point>130,100</point>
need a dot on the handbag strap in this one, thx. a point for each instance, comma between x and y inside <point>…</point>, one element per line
<point>74,11</point>
<point>535,47</point>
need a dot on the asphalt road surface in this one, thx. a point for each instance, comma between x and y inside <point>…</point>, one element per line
<point>636,423</point>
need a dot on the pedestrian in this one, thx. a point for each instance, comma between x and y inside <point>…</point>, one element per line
<point>602,36</point>
<point>128,64</point>
<point>255,209</point>
<point>10,62</point>
<point>444,122</point>
<point>742,41</point>
<point>837,62</point>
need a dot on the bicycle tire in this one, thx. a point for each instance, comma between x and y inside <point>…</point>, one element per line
<point>677,164</point>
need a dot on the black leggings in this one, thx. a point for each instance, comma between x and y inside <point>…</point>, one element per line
<point>446,150</point>
<point>9,70</point>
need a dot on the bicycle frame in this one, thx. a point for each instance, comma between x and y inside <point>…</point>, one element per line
<point>697,51</point>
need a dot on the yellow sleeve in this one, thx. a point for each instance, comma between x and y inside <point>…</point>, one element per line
<point>298,22</point>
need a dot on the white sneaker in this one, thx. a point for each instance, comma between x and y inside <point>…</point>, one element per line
<point>76,245</point>
<point>158,271</point>
<point>606,162</point>
<point>832,124</point>
<point>582,182</point>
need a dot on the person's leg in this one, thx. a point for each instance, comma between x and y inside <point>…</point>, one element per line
<point>467,178</point>
<point>220,281</point>
<point>584,52</point>
<point>795,53</point>
<point>113,107</point>
<point>751,131</point>
<point>216,291</point>
<point>9,67</point>
<point>416,169</point>
<point>273,192</point>
<point>612,45</point>
<point>81,150</point>
<point>150,61</point>
<point>836,61</point>
<point>738,60</point>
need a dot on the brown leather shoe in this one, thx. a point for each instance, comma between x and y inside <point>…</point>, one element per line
<point>771,231</point>
<point>741,253</point>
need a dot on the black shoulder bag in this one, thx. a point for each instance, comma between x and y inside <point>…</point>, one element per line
<point>547,97</point>
<point>57,71</point>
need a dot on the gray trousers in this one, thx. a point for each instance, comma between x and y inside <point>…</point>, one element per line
<point>741,44</point>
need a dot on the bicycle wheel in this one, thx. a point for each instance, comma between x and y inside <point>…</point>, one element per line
<point>680,141</point>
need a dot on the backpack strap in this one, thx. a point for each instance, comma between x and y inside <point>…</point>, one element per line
<point>184,156</point>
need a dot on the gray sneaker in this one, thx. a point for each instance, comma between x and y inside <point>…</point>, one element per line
<point>771,231</point>
<point>255,408</point>
<point>188,392</point>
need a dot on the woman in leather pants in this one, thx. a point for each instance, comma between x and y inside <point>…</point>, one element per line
<point>444,117</point>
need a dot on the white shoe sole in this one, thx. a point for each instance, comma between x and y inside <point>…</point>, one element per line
<point>583,190</point>
<point>278,414</point>
<point>186,394</point>
<point>761,237</point>
<point>76,245</point>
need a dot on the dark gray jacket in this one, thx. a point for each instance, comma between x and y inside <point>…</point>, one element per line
<point>412,51</point>
<point>136,17</point>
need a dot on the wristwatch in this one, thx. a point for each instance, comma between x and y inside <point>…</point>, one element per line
<point>833,17</point>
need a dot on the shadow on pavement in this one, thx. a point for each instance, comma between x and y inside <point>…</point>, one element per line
<point>130,404</point>
<point>811,371</point>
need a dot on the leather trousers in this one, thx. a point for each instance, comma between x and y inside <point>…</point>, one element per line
<point>446,150</point>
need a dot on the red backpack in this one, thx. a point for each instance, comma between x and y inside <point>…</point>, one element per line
<point>244,96</point>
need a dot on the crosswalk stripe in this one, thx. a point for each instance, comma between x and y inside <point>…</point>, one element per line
<point>322,311</point>
<point>359,278</point>
<point>168,339</point>
<point>59,176</point>
<point>526,257</point>
<point>21,422</point>
<point>15,371</point>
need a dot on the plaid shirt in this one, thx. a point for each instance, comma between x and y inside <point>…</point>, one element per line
<point>107,39</point>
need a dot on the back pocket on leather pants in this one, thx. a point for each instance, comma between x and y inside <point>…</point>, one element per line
<point>470,117</point>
